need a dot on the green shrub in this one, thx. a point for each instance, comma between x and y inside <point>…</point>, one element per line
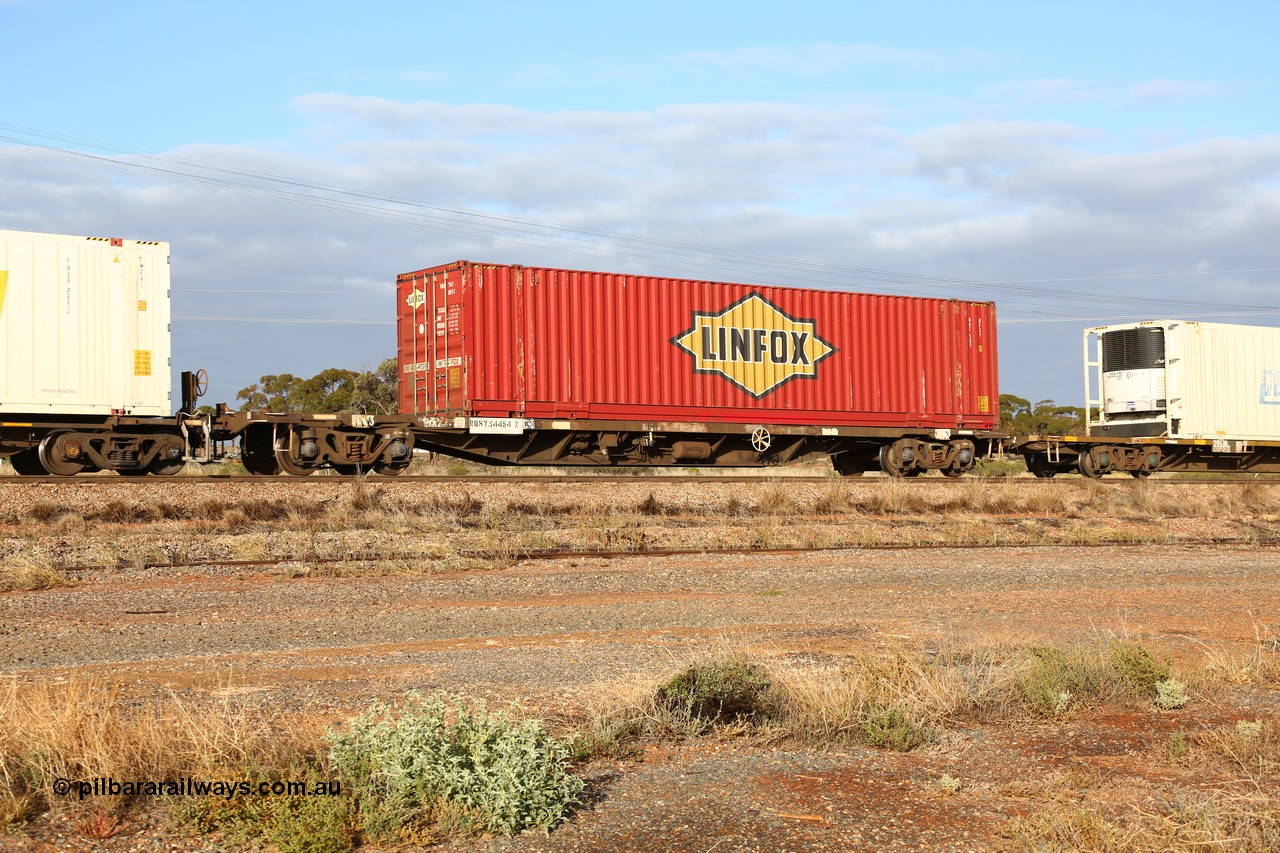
<point>717,691</point>
<point>1055,679</point>
<point>1137,667</point>
<point>886,727</point>
<point>1178,746</point>
<point>446,764</point>
<point>292,823</point>
<point>309,824</point>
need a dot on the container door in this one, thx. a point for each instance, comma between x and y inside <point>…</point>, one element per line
<point>432,363</point>
<point>448,365</point>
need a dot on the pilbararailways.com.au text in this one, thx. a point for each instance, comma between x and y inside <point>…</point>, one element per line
<point>188,787</point>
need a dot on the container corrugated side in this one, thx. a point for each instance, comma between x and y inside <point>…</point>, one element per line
<point>497,340</point>
<point>1223,381</point>
<point>84,325</point>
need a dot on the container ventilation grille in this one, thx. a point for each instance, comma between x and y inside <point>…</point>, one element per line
<point>1132,349</point>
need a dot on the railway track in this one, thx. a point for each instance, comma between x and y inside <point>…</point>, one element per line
<point>578,554</point>
<point>109,479</point>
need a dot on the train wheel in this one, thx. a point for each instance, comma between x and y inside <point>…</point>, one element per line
<point>963,456</point>
<point>167,469</point>
<point>292,465</point>
<point>26,463</point>
<point>53,456</point>
<point>1088,466</point>
<point>898,460</point>
<point>1038,465</point>
<point>256,453</point>
<point>391,469</point>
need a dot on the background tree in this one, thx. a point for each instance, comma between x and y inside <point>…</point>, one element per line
<point>1019,416</point>
<point>378,391</point>
<point>329,391</point>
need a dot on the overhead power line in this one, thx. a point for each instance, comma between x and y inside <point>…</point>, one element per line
<point>581,240</point>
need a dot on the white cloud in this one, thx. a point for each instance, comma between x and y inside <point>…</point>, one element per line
<point>1030,94</point>
<point>1170,90</point>
<point>1037,93</point>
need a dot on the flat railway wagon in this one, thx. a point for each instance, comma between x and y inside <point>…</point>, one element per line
<point>505,364</point>
<point>1171,395</point>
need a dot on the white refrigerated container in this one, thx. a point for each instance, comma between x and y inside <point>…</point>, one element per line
<point>84,325</point>
<point>1184,380</point>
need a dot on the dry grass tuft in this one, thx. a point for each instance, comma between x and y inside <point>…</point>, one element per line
<point>1259,666</point>
<point>651,506</point>
<point>43,511</point>
<point>777,500</point>
<point>28,572</point>
<point>898,698</point>
<point>84,729</point>
<point>120,512</point>
<point>1250,746</point>
<point>542,509</point>
<point>829,702</point>
<point>834,500</point>
<point>895,498</point>
<point>1247,823</point>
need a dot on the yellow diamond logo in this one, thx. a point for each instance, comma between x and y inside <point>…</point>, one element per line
<point>415,298</point>
<point>754,344</point>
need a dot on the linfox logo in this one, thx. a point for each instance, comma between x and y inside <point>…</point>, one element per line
<point>754,344</point>
<point>415,298</point>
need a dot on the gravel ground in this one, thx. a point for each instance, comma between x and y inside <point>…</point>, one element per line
<point>553,629</point>
<point>558,634</point>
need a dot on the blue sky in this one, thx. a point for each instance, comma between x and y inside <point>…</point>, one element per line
<point>1082,163</point>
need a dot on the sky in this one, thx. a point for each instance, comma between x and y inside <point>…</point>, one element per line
<point>1079,164</point>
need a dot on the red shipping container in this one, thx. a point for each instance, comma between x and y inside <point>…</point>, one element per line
<point>491,340</point>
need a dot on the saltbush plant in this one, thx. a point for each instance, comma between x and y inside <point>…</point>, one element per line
<point>1137,667</point>
<point>717,691</point>
<point>440,763</point>
<point>1171,694</point>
